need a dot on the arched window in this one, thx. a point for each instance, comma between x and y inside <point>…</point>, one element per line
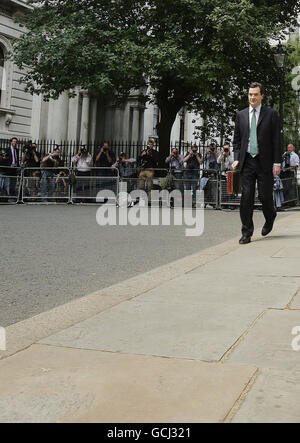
<point>2,86</point>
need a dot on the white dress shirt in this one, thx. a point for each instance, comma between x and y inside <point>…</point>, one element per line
<point>83,164</point>
<point>14,154</point>
<point>257,114</point>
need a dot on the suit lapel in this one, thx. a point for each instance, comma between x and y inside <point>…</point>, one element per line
<point>261,115</point>
<point>247,121</point>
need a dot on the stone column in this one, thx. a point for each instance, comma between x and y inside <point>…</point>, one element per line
<point>136,124</point>
<point>85,115</point>
<point>118,135</point>
<point>108,130</point>
<point>58,118</point>
<point>94,106</point>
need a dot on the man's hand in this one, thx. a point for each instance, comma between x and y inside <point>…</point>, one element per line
<point>235,165</point>
<point>276,170</point>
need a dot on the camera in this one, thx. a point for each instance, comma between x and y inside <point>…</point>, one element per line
<point>226,150</point>
<point>28,149</point>
<point>287,157</point>
<point>83,151</point>
<point>3,154</point>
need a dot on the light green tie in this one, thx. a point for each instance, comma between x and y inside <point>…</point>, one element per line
<point>253,136</point>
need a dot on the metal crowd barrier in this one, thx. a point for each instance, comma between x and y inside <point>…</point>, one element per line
<point>229,200</point>
<point>194,180</point>
<point>86,186</point>
<point>67,185</point>
<point>290,187</point>
<point>10,184</point>
<point>46,185</point>
<point>147,180</point>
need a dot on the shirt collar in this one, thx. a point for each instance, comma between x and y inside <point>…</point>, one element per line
<point>257,109</point>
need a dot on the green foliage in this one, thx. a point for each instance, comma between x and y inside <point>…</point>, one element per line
<point>196,53</point>
<point>292,95</point>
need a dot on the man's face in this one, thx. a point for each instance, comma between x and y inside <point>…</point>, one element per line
<point>175,152</point>
<point>14,142</point>
<point>106,146</point>
<point>56,153</point>
<point>150,145</point>
<point>255,97</point>
<point>291,148</point>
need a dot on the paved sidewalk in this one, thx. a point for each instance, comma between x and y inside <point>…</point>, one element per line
<point>205,339</point>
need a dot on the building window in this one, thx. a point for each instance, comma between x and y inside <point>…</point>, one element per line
<point>2,76</point>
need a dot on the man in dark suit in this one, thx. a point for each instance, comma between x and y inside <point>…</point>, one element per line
<point>12,160</point>
<point>257,154</point>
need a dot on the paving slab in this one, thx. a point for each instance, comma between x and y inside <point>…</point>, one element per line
<point>267,292</point>
<point>246,265</point>
<point>274,398</point>
<point>201,332</point>
<point>288,252</point>
<point>269,343</point>
<point>68,385</point>
<point>296,301</point>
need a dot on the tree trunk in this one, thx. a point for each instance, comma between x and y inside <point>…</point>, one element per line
<point>168,117</point>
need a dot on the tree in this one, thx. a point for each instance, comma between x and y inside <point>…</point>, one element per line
<point>292,94</point>
<point>195,53</point>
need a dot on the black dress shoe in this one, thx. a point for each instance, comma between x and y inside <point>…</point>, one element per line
<point>245,240</point>
<point>268,227</point>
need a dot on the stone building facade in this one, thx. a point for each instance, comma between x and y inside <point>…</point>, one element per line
<point>83,118</point>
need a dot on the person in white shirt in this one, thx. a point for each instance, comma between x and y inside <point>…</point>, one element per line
<point>83,161</point>
<point>225,160</point>
<point>290,159</point>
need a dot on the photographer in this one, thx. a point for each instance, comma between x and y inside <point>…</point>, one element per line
<point>193,160</point>
<point>31,158</point>
<point>49,162</point>
<point>127,171</point>
<point>211,157</point>
<point>224,160</point>
<point>125,165</point>
<point>83,162</point>
<point>175,162</point>
<point>148,161</point>
<point>290,161</point>
<point>104,158</point>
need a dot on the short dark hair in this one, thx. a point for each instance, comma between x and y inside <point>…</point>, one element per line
<point>14,138</point>
<point>258,85</point>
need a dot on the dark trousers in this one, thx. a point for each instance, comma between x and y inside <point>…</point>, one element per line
<point>251,173</point>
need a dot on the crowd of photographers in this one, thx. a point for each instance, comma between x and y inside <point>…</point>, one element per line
<point>50,174</point>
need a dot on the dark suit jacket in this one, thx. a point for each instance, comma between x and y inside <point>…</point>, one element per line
<point>268,135</point>
<point>8,162</point>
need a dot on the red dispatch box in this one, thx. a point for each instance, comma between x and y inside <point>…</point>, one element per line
<point>233,182</point>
